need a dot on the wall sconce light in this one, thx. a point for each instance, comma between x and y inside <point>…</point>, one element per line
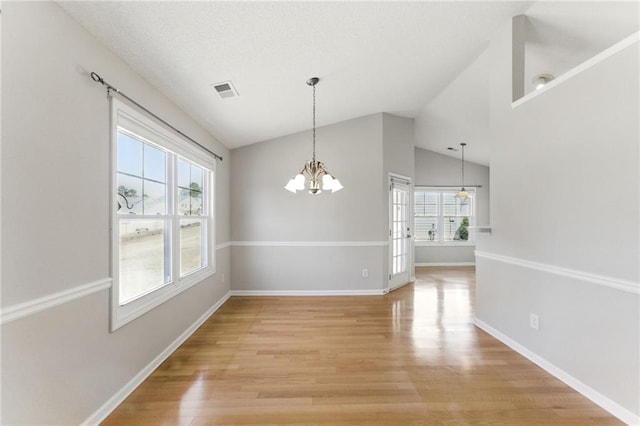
<point>540,80</point>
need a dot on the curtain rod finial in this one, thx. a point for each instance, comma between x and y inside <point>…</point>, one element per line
<point>95,77</point>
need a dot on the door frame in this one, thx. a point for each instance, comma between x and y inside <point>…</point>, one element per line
<point>408,181</point>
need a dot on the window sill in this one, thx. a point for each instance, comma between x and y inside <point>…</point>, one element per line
<point>123,314</point>
<point>445,244</point>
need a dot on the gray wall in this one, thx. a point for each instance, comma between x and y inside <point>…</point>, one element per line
<point>280,238</point>
<point>565,194</point>
<point>437,169</point>
<point>303,243</point>
<point>398,158</point>
<point>60,365</point>
<point>263,210</point>
<point>398,146</point>
<point>561,164</point>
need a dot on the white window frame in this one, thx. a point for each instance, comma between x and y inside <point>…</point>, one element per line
<point>151,131</point>
<point>440,242</point>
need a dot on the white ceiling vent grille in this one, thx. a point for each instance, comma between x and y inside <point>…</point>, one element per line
<point>225,89</point>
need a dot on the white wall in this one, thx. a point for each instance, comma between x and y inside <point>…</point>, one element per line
<point>437,169</point>
<point>459,113</point>
<point>62,364</point>
<point>564,216</point>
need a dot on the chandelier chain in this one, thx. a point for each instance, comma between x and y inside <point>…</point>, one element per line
<point>463,166</point>
<point>314,123</point>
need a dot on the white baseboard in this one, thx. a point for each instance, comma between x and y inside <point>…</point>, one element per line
<point>612,407</point>
<point>307,292</point>
<point>401,285</point>
<point>112,403</point>
<point>447,264</point>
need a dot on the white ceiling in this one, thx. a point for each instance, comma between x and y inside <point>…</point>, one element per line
<point>371,57</point>
<point>559,36</point>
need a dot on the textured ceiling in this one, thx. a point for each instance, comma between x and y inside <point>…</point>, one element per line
<point>371,57</point>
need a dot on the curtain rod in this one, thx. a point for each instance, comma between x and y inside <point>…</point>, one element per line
<point>95,77</point>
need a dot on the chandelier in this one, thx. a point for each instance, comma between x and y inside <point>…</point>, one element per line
<point>314,176</point>
<point>463,193</point>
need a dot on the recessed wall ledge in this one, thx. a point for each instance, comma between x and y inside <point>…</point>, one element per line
<point>483,230</point>
<point>621,45</point>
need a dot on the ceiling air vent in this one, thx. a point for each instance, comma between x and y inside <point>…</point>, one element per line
<point>225,89</point>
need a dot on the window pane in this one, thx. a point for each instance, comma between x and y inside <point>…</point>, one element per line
<point>189,202</point>
<point>190,187</point>
<point>184,173</point>
<point>397,230</point>
<point>457,206</point>
<point>426,203</point>
<point>449,204</point>
<point>465,206</point>
<point>456,228</point>
<point>426,228</point>
<point>450,226</point>
<point>431,204</point>
<point>142,257</point>
<point>129,194</point>
<point>191,252</point>
<point>196,177</point>
<point>129,155</point>
<point>418,206</point>
<point>196,203</point>
<point>154,199</point>
<point>154,163</point>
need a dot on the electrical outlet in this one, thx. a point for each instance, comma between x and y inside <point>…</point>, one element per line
<point>534,321</point>
<point>222,277</point>
<point>365,273</point>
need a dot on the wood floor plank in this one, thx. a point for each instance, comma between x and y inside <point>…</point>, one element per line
<point>412,357</point>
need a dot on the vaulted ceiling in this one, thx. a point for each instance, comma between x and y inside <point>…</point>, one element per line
<point>371,57</point>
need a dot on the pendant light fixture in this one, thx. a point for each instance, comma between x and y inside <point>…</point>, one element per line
<point>313,172</point>
<point>463,192</point>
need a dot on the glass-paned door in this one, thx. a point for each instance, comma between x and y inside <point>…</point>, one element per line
<point>399,231</point>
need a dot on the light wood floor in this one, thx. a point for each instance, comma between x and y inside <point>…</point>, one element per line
<point>412,357</point>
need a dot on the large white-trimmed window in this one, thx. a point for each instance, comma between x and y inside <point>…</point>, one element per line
<point>441,218</point>
<point>162,214</point>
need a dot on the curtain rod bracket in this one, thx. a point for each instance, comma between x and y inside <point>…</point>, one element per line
<point>95,77</point>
